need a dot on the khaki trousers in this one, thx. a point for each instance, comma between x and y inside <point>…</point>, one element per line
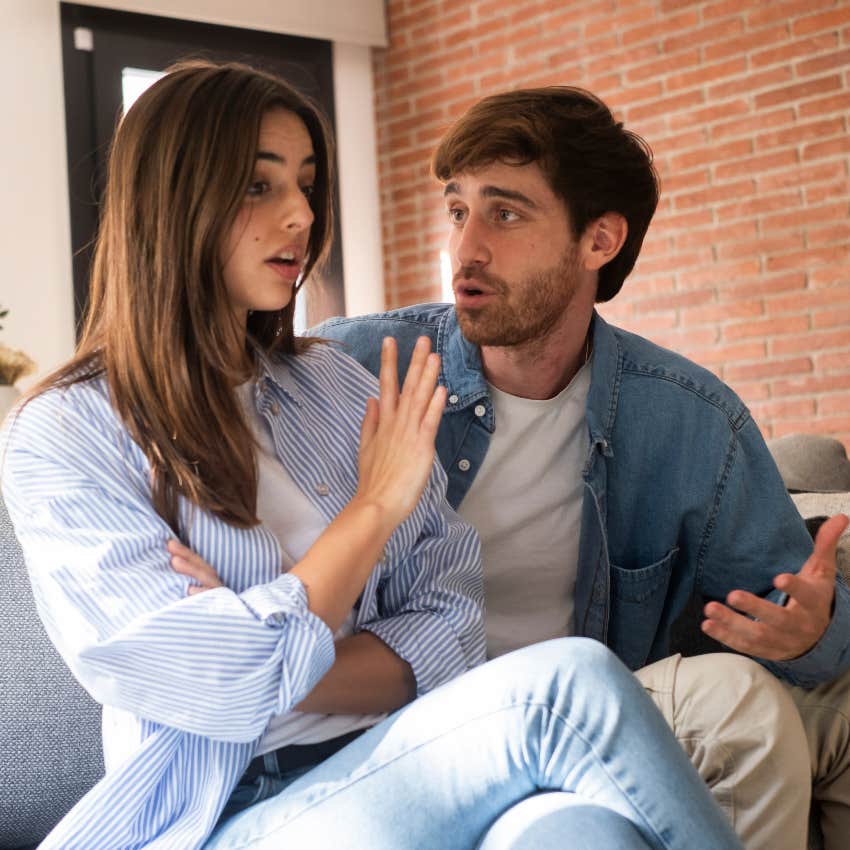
<point>750,737</point>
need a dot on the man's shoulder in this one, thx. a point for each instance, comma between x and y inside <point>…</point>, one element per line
<point>647,364</point>
<point>415,319</point>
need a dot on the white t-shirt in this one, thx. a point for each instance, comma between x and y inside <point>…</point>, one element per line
<point>526,504</point>
<point>296,523</point>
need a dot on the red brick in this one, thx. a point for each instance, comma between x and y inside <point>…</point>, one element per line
<point>723,313</point>
<point>665,105</point>
<point>818,194</point>
<point>684,180</point>
<point>798,91</point>
<point>807,259</point>
<point>756,164</point>
<point>705,74</point>
<point>833,361</point>
<point>839,232</point>
<point>716,236</point>
<point>720,275</point>
<point>834,403</point>
<point>687,220</point>
<point>832,318</point>
<point>686,339</point>
<point>765,328</point>
<point>768,369</point>
<point>834,426</point>
<point>746,126</point>
<point>793,50</point>
<point>804,175</point>
<point>826,62</point>
<point>706,34</point>
<point>619,21</point>
<point>709,114</point>
<point>812,385</point>
<point>763,285</point>
<point>717,153</point>
<point>658,28</point>
<point>755,206</point>
<point>811,341</point>
<point>750,82</point>
<point>824,149</point>
<point>782,409</point>
<point>674,300</point>
<point>773,11</point>
<point>801,133</point>
<point>761,247</point>
<point>825,21</point>
<point>833,103</point>
<point>810,215</point>
<point>721,354</point>
<point>746,43</point>
<point>703,197</point>
<point>724,8</point>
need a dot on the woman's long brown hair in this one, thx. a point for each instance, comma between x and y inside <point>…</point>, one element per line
<point>158,323</point>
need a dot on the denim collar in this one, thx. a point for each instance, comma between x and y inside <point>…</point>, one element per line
<point>463,375</point>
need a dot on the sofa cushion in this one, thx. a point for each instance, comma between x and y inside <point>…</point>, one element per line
<point>49,726</point>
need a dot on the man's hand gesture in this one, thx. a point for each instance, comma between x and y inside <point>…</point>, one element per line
<point>780,633</point>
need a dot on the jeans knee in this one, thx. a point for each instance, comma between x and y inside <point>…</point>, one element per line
<point>580,657</point>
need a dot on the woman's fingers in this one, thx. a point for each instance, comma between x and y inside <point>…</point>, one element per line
<point>388,379</point>
<point>193,566</point>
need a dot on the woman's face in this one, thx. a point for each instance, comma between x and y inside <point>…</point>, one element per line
<point>264,251</point>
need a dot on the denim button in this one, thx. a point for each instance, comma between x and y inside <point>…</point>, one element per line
<point>453,399</point>
<point>480,410</point>
<point>463,465</point>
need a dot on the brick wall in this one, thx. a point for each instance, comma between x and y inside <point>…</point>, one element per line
<point>746,267</point>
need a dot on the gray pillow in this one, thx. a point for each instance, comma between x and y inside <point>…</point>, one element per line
<point>51,751</point>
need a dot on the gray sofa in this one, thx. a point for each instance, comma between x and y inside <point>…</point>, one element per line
<point>50,727</point>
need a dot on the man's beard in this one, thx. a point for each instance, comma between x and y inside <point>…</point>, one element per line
<point>522,312</point>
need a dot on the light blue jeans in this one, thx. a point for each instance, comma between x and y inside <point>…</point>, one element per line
<point>468,766</point>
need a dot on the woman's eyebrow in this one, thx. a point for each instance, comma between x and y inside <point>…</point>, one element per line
<point>270,156</point>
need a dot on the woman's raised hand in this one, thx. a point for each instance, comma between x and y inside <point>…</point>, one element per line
<point>398,432</point>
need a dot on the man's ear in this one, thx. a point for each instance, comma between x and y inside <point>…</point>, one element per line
<point>602,240</point>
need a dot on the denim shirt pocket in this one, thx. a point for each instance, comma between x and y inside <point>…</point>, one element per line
<point>637,602</point>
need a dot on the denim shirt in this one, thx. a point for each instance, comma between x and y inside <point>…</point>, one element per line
<point>681,494</point>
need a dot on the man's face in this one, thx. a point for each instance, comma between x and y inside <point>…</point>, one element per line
<point>514,261</point>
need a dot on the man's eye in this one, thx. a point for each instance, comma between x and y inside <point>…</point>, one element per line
<point>257,188</point>
<point>507,215</point>
<point>455,214</point>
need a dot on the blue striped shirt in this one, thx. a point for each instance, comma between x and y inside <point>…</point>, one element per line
<point>199,676</point>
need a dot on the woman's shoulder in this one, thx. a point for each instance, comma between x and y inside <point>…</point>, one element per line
<point>325,361</point>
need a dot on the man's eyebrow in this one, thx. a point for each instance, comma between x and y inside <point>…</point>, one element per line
<point>270,156</point>
<point>488,191</point>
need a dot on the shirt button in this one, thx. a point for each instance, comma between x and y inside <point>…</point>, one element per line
<point>322,489</point>
<point>275,408</point>
<point>480,410</point>
<point>463,465</point>
<point>453,399</point>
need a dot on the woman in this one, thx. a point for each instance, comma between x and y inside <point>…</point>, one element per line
<point>340,586</point>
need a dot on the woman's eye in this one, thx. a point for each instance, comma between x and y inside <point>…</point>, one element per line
<point>257,188</point>
<point>308,191</point>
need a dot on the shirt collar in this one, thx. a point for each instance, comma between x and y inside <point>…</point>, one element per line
<point>273,371</point>
<point>463,376</point>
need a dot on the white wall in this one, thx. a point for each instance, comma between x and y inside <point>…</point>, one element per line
<point>35,243</point>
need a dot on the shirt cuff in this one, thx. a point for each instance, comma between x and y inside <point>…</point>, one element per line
<point>826,658</point>
<point>427,643</point>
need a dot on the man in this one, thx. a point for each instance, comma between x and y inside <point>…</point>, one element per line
<point>610,479</point>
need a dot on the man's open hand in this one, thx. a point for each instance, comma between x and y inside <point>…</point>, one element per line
<point>780,633</point>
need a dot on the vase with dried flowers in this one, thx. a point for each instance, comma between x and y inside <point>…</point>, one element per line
<point>13,366</point>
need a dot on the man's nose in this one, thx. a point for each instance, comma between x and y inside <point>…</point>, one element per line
<point>471,246</point>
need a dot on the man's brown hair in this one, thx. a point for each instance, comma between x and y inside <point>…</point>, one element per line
<point>159,324</point>
<point>590,161</point>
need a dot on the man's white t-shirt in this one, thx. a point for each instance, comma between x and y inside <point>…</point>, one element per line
<point>526,504</point>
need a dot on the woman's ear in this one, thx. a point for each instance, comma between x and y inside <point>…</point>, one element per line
<point>602,240</point>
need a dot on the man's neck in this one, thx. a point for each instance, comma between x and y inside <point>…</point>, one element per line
<point>541,368</point>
